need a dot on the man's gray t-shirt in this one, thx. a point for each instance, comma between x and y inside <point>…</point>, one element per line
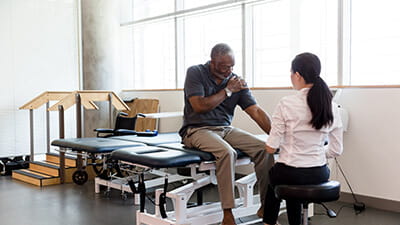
<point>200,82</point>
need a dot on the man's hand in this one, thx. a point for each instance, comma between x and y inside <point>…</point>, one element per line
<point>243,83</point>
<point>236,84</point>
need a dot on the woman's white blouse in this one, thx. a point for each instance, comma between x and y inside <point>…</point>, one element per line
<point>300,144</point>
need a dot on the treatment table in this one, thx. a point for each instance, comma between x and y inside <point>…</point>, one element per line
<point>91,148</point>
<point>159,155</point>
<point>202,173</point>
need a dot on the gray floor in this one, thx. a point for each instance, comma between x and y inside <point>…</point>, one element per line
<point>24,204</point>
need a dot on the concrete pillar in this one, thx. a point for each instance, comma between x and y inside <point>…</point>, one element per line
<point>100,56</point>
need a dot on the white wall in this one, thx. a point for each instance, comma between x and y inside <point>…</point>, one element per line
<point>39,52</point>
<point>371,147</point>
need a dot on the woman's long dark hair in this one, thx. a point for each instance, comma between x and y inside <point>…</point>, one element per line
<point>319,97</point>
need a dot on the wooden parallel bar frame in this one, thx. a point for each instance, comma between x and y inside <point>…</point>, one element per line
<point>66,99</point>
<point>88,98</point>
<point>35,103</point>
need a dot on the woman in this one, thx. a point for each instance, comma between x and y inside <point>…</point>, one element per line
<point>301,125</point>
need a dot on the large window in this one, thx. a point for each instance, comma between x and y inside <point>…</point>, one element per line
<point>283,29</point>
<point>189,4</point>
<point>355,48</point>
<point>143,9</point>
<point>271,44</point>
<point>201,32</point>
<point>160,42</point>
<point>153,55</point>
<point>375,42</point>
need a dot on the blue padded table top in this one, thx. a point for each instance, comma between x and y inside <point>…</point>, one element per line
<point>162,138</point>
<point>94,145</point>
<point>156,157</point>
<point>205,156</point>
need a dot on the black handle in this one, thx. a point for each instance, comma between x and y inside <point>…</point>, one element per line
<point>132,186</point>
<point>163,197</point>
<point>142,191</point>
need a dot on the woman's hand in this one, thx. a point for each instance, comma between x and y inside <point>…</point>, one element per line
<point>270,150</point>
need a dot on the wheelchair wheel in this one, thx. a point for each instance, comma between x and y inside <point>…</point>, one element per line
<point>80,177</point>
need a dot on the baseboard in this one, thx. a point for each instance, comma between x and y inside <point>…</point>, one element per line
<point>377,203</point>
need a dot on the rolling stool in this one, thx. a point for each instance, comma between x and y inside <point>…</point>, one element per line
<point>318,193</point>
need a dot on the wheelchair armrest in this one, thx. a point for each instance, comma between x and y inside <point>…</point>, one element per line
<point>124,132</point>
<point>103,131</point>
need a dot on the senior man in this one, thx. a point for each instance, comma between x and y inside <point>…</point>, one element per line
<point>212,92</point>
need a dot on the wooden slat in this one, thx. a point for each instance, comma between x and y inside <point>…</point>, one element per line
<point>118,103</point>
<point>66,102</point>
<point>94,91</point>
<point>89,105</point>
<point>57,95</point>
<point>68,175</point>
<point>88,98</point>
<point>94,96</point>
<point>30,104</point>
<point>143,106</point>
<point>34,178</point>
<point>27,179</point>
<point>52,181</point>
<point>44,98</point>
<point>43,169</point>
<point>55,159</point>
